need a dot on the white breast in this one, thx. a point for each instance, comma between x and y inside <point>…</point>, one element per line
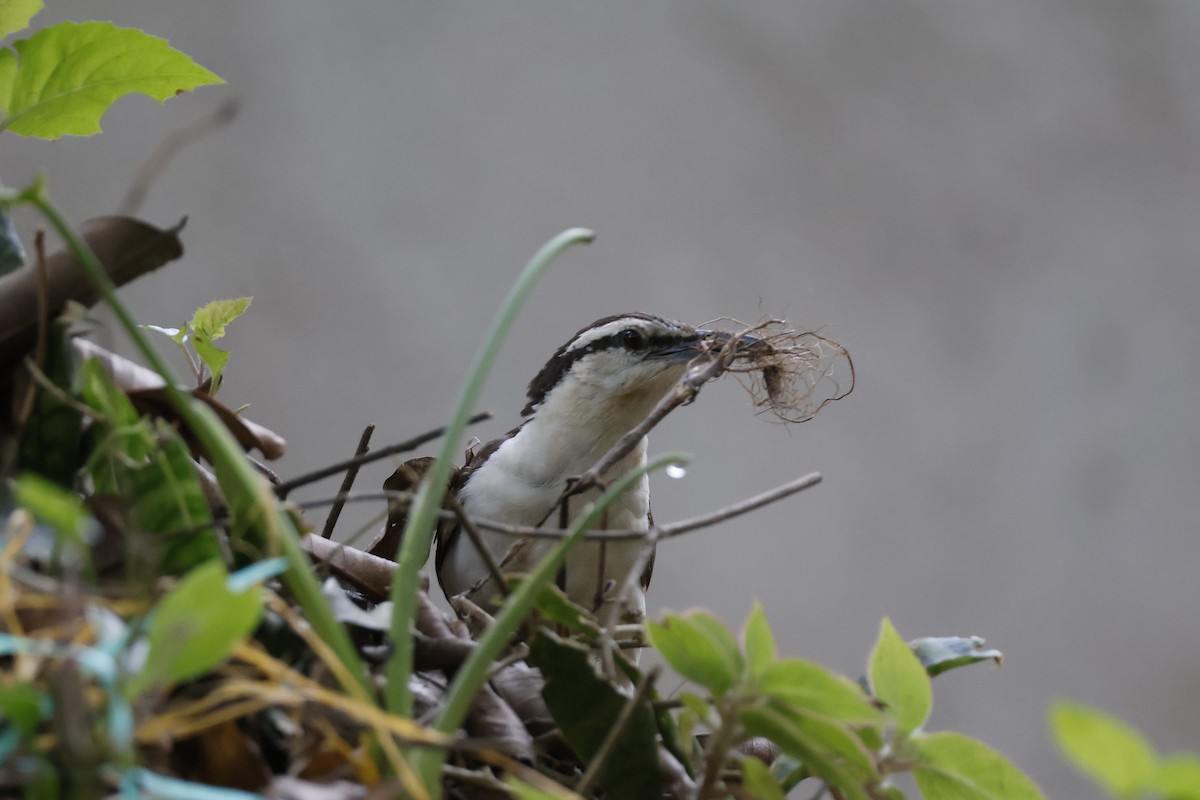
<point>509,489</point>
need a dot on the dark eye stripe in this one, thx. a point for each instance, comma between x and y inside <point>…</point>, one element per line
<point>562,361</point>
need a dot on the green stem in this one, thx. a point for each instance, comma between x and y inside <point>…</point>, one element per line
<point>418,532</point>
<point>472,674</point>
<point>252,504</point>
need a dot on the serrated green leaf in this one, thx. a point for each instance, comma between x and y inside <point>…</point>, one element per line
<point>940,654</point>
<point>1107,750</point>
<point>899,680</point>
<point>15,15</point>
<point>1178,777</point>
<point>207,325</point>
<point>210,320</point>
<point>807,738</point>
<point>757,777</point>
<point>195,627</point>
<point>52,505</point>
<point>952,766</point>
<point>807,685</point>
<point>62,79</point>
<point>693,653</point>
<point>758,641</point>
<point>893,793</point>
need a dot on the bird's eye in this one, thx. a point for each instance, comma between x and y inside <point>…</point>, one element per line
<point>634,339</point>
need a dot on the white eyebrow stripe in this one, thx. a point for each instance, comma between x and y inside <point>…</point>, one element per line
<point>616,326</point>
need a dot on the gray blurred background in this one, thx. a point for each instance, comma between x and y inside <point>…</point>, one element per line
<point>992,204</point>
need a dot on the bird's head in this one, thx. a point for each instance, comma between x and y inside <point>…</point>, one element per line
<point>626,362</point>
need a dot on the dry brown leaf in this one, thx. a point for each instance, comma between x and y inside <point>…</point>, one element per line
<point>125,246</point>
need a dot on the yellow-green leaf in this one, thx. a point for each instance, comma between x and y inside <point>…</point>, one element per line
<point>691,646</point>
<point>209,321</point>
<point>196,626</point>
<point>899,680</point>
<point>952,766</point>
<point>1178,777</point>
<point>61,80</point>
<point>810,686</point>
<point>15,15</point>
<point>1111,753</point>
<point>759,781</point>
<point>758,641</point>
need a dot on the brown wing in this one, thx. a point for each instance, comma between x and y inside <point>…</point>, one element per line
<point>405,479</point>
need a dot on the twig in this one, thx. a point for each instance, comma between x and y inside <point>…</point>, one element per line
<point>335,510</point>
<point>667,531</point>
<point>170,147</point>
<point>282,490</point>
<point>684,392</point>
<point>600,760</point>
<point>472,531</point>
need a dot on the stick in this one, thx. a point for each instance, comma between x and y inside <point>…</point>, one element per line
<point>282,490</point>
<point>335,510</point>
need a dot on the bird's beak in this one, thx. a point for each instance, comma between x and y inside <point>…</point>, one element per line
<point>705,341</point>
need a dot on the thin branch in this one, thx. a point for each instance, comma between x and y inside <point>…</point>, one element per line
<point>283,489</point>
<point>684,392</point>
<point>472,531</point>
<point>335,510</point>
<point>667,531</point>
<point>600,760</point>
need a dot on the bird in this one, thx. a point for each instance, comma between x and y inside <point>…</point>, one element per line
<point>594,389</point>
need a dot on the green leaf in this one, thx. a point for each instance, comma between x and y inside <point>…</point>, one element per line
<point>152,469</point>
<point>811,687</point>
<point>952,766</point>
<point>209,321</point>
<point>23,706</point>
<point>207,325</point>
<point>1178,777</point>
<point>53,505</point>
<point>758,641</point>
<point>939,654</point>
<point>214,358</point>
<point>1111,753</point>
<point>15,15</point>
<point>169,501</point>
<point>758,779</point>
<point>195,627</point>
<point>62,79</point>
<point>585,707</point>
<point>693,652</point>
<point>899,680</point>
<point>829,751</point>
